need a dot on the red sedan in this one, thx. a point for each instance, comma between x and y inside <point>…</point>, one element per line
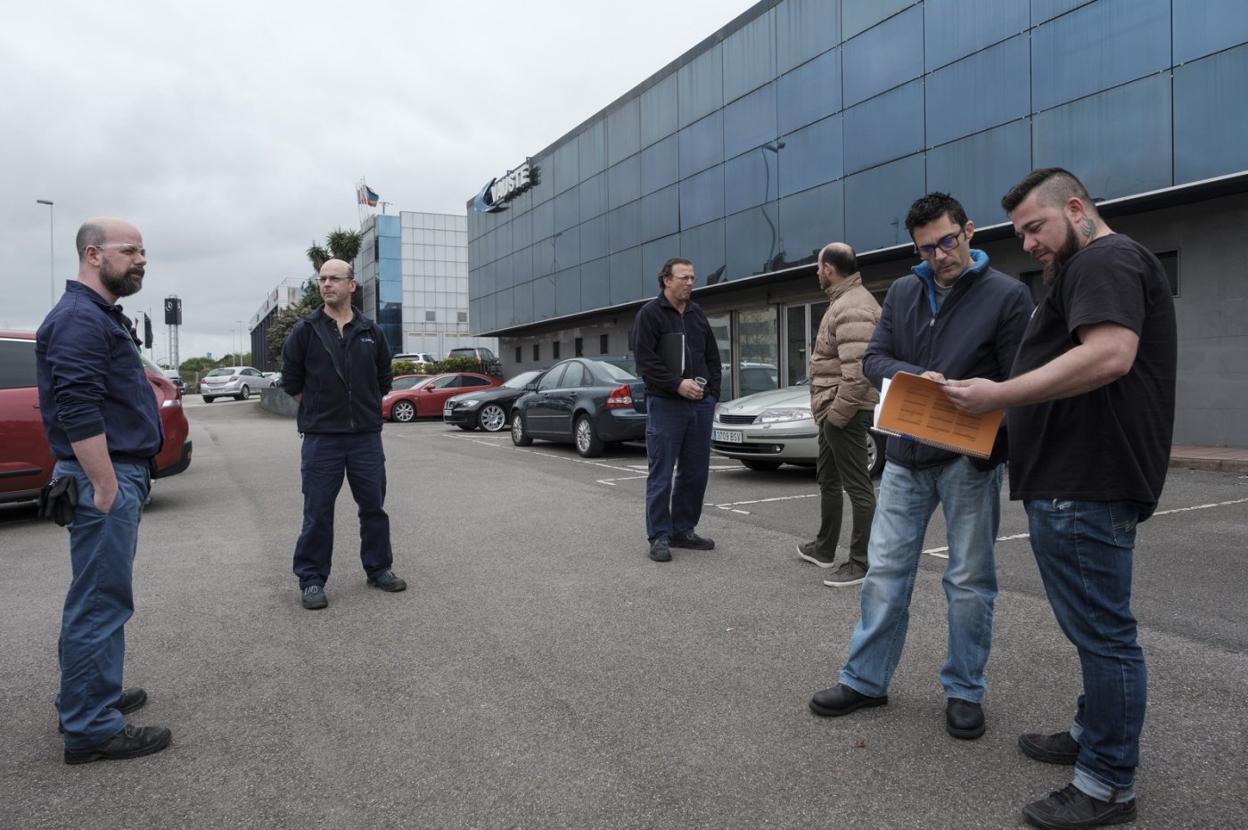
<point>426,399</point>
<point>25,460</point>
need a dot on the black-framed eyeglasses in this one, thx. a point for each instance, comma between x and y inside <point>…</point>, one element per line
<point>945,243</point>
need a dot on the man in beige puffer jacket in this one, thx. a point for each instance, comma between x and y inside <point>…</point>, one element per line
<point>842,400</point>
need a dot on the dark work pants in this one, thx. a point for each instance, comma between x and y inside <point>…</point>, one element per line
<point>842,466</point>
<point>325,457</point>
<point>678,438</point>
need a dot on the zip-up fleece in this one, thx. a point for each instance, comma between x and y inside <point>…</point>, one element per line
<point>659,317</point>
<point>974,333</point>
<point>342,380</point>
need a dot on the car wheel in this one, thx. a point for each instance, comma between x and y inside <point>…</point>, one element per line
<point>875,455</point>
<point>588,444</point>
<point>519,435</point>
<point>403,411</point>
<point>209,399</point>
<point>244,393</point>
<point>467,427</point>
<point>492,418</point>
<point>761,466</point>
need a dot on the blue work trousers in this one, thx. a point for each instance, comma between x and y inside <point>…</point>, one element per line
<point>678,440</point>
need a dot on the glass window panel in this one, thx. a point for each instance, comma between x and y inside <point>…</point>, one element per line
<point>811,156</point>
<point>804,28</point>
<point>884,128</point>
<point>624,226</point>
<point>567,166</point>
<point>750,121</point>
<point>811,219</point>
<point>567,210</point>
<point>956,28</point>
<point>797,351</point>
<point>543,297</point>
<point>749,56</point>
<point>978,170</point>
<point>752,242</point>
<point>568,291</point>
<point>522,297</point>
<point>705,246</point>
<point>1209,105</point>
<point>568,248</point>
<point>593,149</point>
<point>543,174</point>
<point>701,85</point>
<point>596,284</point>
<point>624,182</point>
<point>750,179</point>
<point>626,282</point>
<point>593,193</point>
<point>1125,39</point>
<point>660,213</point>
<point>659,165</point>
<point>995,74</point>
<point>502,240</point>
<point>877,202</point>
<point>884,57</point>
<point>702,197</point>
<point>653,255</point>
<point>543,218</point>
<point>721,328</point>
<point>1042,10</point>
<point>1117,142</point>
<point>658,111</point>
<point>702,144</point>
<point>593,238</point>
<point>623,131</point>
<point>810,92</point>
<point>544,257</point>
<point>522,266</point>
<point>1218,24</point>
<point>758,350</point>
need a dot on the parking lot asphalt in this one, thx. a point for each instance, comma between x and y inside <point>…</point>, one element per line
<point>542,672</point>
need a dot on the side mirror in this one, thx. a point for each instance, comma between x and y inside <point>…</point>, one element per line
<point>530,387</point>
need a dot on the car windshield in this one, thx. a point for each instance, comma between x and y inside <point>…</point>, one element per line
<point>409,381</point>
<point>216,373</point>
<point>522,380</point>
<point>614,372</point>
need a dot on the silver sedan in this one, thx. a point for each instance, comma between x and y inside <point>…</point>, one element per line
<point>237,382</point>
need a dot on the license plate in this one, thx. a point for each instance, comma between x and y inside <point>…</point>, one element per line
<point>446,413</point>
<point>728,436</point>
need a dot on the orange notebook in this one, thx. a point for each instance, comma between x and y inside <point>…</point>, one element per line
<point>915,407</point>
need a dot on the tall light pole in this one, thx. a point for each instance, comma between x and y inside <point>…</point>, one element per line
<point>51,251</point>
<point>240,341</point>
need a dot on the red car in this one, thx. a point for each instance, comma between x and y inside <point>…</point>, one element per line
<point>25,460</point>
<point>426,399</point>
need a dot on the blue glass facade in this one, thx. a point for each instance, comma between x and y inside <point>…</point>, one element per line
<point>808,121</point>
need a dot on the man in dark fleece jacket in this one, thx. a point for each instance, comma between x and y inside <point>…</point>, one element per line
<point>678,359</point>
<point>954,318</point>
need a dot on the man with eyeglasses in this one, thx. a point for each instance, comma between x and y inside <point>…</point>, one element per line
<point>678,358</point>
<point>336,364</point>
<point>954,317</point>
<point>104,429</point>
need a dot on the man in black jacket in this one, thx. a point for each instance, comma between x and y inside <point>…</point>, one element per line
<point>336,364</point>
<point>955,317</point>
<point>678,359</point>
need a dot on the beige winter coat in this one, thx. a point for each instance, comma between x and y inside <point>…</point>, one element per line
<point>838,388</point>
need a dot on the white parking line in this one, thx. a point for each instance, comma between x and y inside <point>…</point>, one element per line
<point>500,446</point>
<point>610,482</point>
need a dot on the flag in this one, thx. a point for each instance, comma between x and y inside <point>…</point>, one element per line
<point>365,195</point>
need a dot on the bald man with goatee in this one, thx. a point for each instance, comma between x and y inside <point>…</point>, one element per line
<point>104,429</point>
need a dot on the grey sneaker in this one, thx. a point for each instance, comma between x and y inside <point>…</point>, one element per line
<point>809,552</point>
<point>314,598</point>
<point>661,550</point>
<point>847,575</point>
<point>388,582</point>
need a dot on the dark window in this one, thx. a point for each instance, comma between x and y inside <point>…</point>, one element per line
<point>431,316</point>
<point>471,381</point>
<point>17,364</point>
<point>1034,280</point>
<point>550,380</point>
<point>461,316</point>
<point>578,346</point>
<point>1170,264</point>
<point>574,377</point>
<point>554,350</point>
<point>537,352</point>
<point>604,341</point>
<point>519,357</point>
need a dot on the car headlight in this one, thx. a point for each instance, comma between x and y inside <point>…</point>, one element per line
<point>780,416</point>
<point>466,404</point>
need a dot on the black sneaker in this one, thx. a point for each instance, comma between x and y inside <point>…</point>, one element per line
<point>847,575</point>
<point>841,700</point>
<point>314,598</point>
<point>1071,808</point>
<point>130,700</point>
<point>388,582</point>
<point>964,719</point>
<point>1058,748</point>
<point>660,550</point>
<point>809,552</point>
<point>692,541</point>
<point>131,742</point>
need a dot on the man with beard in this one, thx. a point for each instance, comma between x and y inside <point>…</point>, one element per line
<point>104,429</point>
<point>1091,416</point>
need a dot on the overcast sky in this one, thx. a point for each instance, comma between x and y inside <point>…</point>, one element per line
<point>233,133</point>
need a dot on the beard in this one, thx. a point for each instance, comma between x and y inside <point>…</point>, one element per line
<point>1070,247</point>
<point>122,283</point>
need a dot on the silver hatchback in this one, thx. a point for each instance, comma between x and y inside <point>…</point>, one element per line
<point>237,382</point>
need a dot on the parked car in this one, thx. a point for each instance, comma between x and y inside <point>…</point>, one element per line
<point>407,381</point>
<point>490,364</point>
<point>421,359</point>
<point>274,377</point>
<point>587,403</point>
<point>25,459</point>
<point>427,397</point>
<point>776,427</point>
<point>173,377</point>
<point>237,382</point>
<point>489,409</point>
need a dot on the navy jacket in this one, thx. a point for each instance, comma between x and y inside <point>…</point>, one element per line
<point>342,379</point>
<point>974,334</point>
<point>91,379</point>
<point>659,317</point>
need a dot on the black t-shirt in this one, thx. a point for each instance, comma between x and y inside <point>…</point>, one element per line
<point>1112,443</point>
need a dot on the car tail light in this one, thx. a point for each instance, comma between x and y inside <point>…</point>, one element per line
<point>232,378</point>
<point>171,403</point>
<point>620,397</point>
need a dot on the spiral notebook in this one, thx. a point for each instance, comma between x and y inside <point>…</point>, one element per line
<point>915,407</point>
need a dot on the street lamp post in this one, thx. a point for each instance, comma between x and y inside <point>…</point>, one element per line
<point>51,251</point>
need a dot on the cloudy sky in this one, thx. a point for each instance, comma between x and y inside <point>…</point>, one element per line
<point>232,133</point>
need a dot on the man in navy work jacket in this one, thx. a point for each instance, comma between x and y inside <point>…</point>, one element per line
<point>955,317</point>
<point>104,429</point>
<point>673,344</point>
<point>336,364</point>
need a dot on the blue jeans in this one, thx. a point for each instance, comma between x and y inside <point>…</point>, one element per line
<point>1084,552</point>
<point>92,645</point>
<point>678,438</point>
<point>972,504</point>
<point>325,457</point>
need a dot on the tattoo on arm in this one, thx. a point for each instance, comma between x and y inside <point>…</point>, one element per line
<point>1088,227</point>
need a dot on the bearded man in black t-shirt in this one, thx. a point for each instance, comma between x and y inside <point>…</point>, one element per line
<point>1091,416</point>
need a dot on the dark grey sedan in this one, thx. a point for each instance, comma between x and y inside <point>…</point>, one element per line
<point>587,403</point>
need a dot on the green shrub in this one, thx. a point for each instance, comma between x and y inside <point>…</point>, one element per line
<point>405,367</point>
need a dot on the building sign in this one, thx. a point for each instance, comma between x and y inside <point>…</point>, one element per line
<point>497,192</point>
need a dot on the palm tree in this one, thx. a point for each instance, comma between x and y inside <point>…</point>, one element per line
<point>344,245</point>
<point>317,255</point>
